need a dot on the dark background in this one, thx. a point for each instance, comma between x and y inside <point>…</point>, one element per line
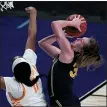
<point>92,10</point>
<point>13,39</point>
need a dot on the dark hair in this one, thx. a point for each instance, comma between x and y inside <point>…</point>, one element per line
<point>22,72</point>
<point>90,55</point>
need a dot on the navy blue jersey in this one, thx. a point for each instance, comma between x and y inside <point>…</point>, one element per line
<point>60,81</point>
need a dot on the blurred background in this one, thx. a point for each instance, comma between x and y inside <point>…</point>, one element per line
<point>92,10</point>
<point>13,36</point>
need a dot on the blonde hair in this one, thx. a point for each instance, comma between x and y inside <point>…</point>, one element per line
<point>89,55</point>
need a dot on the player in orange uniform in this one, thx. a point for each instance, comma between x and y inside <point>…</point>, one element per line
<point>25,88</point>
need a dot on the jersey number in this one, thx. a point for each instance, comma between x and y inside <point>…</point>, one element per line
<point>74,72</point>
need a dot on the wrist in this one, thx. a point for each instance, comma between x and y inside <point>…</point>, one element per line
<point>33,13</point>
<point>33,16</point>
<point>70,23</point>
<point>63,23</point>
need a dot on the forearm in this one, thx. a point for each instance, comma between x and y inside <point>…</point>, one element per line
<point>32,28</point>
<point>58,25</point>
<point>46,45</point>
<point>48,40</point>
<point>62,23</point>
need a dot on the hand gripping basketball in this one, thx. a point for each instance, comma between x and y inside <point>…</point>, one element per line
<point>78,25</point>
<point>77,21</point>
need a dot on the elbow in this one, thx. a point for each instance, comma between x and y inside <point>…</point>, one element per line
<point>56,26</point>
<point>54,23</point>
<point>41,44</point>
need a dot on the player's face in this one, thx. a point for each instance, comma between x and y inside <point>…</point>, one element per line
<point>80,42</point>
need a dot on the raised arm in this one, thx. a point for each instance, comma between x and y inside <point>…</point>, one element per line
<point>66,54</point>
<point>32,28</point>
<point>46,45</point>
<point>30,48</point>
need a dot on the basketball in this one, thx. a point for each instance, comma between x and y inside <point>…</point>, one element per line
<point>72,31</point>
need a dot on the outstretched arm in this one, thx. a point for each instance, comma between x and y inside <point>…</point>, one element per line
<point>30,48</point>
<point>32,28</point>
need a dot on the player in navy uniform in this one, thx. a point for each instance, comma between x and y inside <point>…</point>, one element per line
<point>83,52</point>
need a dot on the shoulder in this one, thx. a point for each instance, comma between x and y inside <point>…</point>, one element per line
<point>11,84</point>
<point>66,58</point>
<point>8,79</point>
<point>30,56</point>
<point>13,87</point>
